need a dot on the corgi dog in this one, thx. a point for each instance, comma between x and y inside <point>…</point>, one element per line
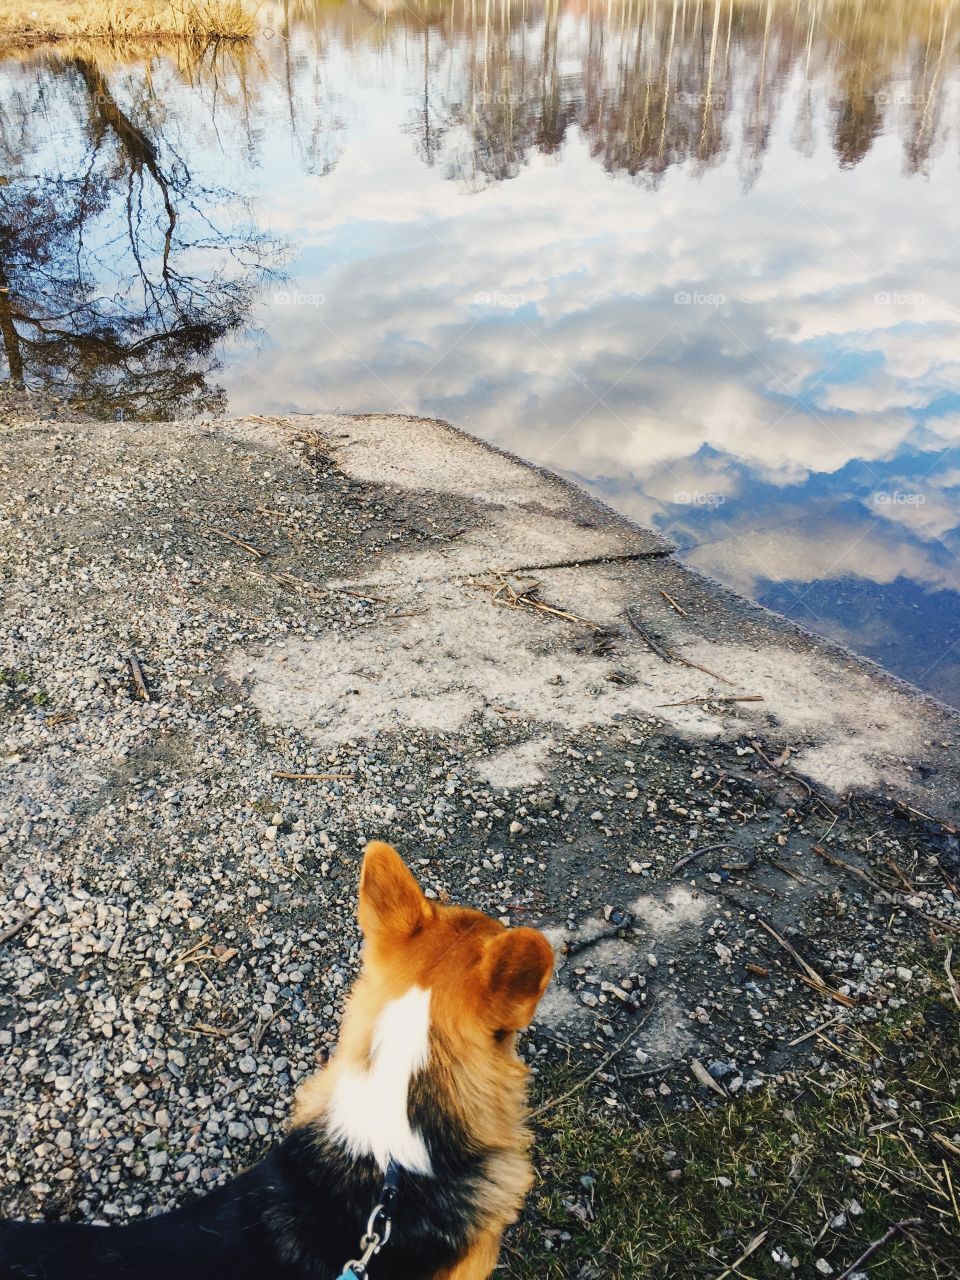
<point>408,1154</point>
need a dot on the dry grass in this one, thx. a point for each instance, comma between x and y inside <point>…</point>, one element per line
<point>43,20</point>
<point>820,1169</point>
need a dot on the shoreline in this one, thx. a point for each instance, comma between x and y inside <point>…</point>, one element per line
<point>233,651</point>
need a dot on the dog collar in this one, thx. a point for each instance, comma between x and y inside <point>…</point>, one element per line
<point>379,1226</point>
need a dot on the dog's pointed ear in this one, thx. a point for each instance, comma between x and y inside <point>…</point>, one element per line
<point>517,966</point>
<point>392,904</point>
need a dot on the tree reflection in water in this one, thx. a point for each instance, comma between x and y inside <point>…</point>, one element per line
<point>119,276</point>
<point>656,83</point>
<point>122,269</point>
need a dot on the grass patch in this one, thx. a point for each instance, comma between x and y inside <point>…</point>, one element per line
<point>824,1164</point>
<point>205,20</point>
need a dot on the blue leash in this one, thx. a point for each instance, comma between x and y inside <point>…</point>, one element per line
<point>379,1226</point>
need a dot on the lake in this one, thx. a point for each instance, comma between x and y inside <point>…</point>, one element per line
<point>699,257</point>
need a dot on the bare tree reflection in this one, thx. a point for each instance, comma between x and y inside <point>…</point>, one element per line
<point>120,277</point>
<point>662,82</point>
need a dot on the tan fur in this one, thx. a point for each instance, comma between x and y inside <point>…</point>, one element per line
<point>478,1263</point>
<point>485,982</point>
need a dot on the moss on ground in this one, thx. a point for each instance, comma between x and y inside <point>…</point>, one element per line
<point>820,1166</point>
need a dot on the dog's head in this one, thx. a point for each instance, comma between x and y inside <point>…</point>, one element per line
<point>484,979</point>
<point>427,1043</point>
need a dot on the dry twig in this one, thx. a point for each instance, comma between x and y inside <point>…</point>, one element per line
<point>752,1247</point>
<point>666,654</point>
<point>831,1022</point>
<point>237,542</point>
<point>12,930</point>
<point>878,1244</point>
<point>581,1084</point>
<point>672,603</point>
<point>311,777</point>
<point>948,969</point>
<point>528,597</point>
<point>715,697</point>
<point>133,662</point>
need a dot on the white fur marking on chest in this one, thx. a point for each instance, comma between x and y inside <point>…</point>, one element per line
<point>368,1108</point>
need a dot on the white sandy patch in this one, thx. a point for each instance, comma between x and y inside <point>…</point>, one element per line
<point>561,1008</point>
<point>464,657</point>
<point>418,453</point>
<point>518,766</point>
<point>667,1035</point>
<point>679,907</point>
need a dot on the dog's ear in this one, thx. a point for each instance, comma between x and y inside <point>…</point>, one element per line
<point>517,966</point>
<point>391,902</point>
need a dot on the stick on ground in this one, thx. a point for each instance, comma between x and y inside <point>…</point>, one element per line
<point>581,1084</point>
<point>310,777</point>
<point>666,654</point>
<point>12,930</point>
<point>878,1244</point>
<point>133,662</point>
<point>948,969</point>
<point>752,1247</point>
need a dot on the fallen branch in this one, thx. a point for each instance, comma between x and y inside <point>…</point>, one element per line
<point>878,1244</point>
<point>133,662</point>
<point>894,899</point>
<point>808,969</point>
<point>223,1033</point>
<point>190,952</point>
<point>951,980</point>
<point>690,857</point>
<point>528,597</point>
<point>581,1084</point>
<point>263,1025</point>
<point>237,542</point>
<point>311,777</point>
<point>752,1247</point>
<point>845,866</point>
<point>715,697</point>
<point>653,645</point>
<point>949,827</point>
<point>666,654</point>
<point>847,1001</point>
<point>831,1022</point>
<point>672,603</point>
<point>12,930</point>
<point>901,875</point>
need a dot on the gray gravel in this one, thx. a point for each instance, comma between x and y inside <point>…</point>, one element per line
<point>188,929</point>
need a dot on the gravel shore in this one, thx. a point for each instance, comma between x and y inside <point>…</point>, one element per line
<point>232,653</point>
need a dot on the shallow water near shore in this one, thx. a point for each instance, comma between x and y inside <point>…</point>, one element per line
<point>701,258</point>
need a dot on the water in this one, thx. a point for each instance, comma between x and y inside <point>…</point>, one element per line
<point>700,257</point>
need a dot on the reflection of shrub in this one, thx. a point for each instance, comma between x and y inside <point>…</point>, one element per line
<point>189,19</point>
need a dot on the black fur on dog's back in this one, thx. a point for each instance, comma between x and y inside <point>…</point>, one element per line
<point>297,1215</point>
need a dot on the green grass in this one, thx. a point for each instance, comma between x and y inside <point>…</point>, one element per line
<point>775,1161</point>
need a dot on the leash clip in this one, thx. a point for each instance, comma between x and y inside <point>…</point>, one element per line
<point>372,1241</point>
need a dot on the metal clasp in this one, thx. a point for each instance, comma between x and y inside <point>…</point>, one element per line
<point>371,1243</point>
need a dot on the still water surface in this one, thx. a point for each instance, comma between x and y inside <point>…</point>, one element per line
<point>701,257</point>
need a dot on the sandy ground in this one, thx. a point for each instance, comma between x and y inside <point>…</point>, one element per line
<point>351,627</point>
